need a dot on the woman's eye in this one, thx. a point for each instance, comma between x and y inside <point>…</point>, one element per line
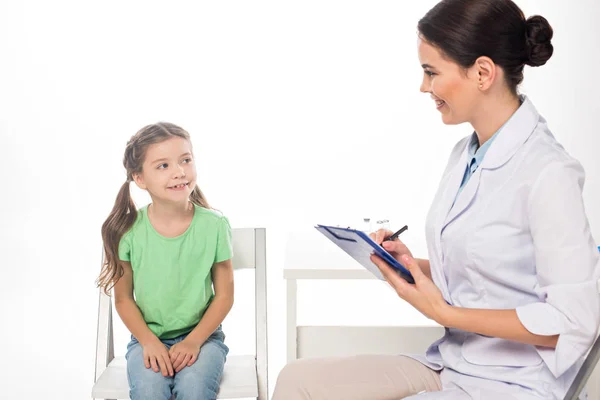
<point>163,166</point>
<point>187,160</point>
<point>429,73</point>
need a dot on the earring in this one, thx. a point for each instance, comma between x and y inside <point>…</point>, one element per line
<point>481,86</point>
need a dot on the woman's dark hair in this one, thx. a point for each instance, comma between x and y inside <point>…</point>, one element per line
<point>124,212</point>
<point>465,30</point>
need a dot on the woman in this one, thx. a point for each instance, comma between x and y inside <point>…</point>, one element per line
<point>513,269</point>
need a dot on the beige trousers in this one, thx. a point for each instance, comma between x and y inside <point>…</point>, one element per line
<point>372,377</point>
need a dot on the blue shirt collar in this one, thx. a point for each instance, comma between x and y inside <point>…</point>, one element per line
<point>477,153</point>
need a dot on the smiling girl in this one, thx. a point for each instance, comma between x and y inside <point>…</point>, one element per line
<point>163,261</point>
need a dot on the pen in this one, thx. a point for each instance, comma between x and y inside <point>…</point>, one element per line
<point>395,235</point>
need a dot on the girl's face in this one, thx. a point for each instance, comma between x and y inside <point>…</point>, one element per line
<point>454,90</point>
<point>168,172</point>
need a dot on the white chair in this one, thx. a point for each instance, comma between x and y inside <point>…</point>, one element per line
<point>243,377</point>
<point>587,370</point>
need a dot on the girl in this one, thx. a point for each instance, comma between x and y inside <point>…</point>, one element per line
<point>513,269</point>
<point>163,261</point>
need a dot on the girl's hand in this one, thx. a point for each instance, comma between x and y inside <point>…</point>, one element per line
<point>184,354</point>
<point>156,355</point>
<point>423,295</point>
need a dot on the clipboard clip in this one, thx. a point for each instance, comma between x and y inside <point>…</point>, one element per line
<point>338,236</point>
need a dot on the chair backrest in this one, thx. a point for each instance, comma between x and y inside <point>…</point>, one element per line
<point>249,251</point>
<point>586,368</point>
<point>584,372</point>
<point>244,248</point>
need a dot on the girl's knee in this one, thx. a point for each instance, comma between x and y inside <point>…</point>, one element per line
<point>144,383</point>
<point>193,386</point>
<point>150,386</point>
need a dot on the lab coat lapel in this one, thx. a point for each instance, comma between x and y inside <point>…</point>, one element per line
<point>450,186</point>
<point>465,198</point>
<point>449,194</point>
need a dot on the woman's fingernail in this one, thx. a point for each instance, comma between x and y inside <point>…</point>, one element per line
<point>406,258</point>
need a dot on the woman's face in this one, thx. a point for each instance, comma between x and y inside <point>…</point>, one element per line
<point>454,90</point>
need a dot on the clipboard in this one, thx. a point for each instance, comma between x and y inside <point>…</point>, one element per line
<point>360,246</point>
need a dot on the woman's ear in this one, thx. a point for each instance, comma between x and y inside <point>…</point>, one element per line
<point>485,72</point>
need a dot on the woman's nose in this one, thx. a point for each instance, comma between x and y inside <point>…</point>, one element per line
<point>425,86</point>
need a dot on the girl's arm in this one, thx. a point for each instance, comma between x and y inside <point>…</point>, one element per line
<point>155,352</point>
<point>222,277</point>
<point>128,309</point>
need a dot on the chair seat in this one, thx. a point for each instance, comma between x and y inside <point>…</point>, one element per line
<point>239,379</point>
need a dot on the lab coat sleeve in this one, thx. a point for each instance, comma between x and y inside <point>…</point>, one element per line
<point>567,266</point>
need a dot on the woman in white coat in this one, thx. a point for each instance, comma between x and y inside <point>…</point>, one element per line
<point>513,269</point>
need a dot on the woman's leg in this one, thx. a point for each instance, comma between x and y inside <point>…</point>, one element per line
<point>201,380</point>
<point>374,377</point>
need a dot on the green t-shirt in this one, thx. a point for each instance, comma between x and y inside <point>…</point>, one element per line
<point>172,276</point>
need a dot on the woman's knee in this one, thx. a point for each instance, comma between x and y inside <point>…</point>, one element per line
<point>298,376</point>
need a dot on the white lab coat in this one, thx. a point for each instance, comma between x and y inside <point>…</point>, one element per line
<point>517,237</point>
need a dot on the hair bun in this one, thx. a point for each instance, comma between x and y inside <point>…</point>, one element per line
<point>538,41</point>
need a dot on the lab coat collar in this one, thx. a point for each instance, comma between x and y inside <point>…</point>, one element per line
<point>514,133</point>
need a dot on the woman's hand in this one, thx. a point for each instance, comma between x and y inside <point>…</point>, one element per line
<point>423,295</point>
<point>156,355</point>
<point>184,354</point>
<point>395,247</point>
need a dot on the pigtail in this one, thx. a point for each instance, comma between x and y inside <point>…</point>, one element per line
<point>197,197</point>
<point>119,221</point>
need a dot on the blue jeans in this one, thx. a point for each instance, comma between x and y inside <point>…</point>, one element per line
<point>200,381</point>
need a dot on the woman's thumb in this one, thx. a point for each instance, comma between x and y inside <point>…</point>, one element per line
<point>412,265</point>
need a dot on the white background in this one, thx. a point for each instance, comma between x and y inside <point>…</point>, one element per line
<point>284,101</point>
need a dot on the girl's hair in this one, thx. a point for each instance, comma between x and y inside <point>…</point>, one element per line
<point>465,30</point>
<point>124,212</point>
